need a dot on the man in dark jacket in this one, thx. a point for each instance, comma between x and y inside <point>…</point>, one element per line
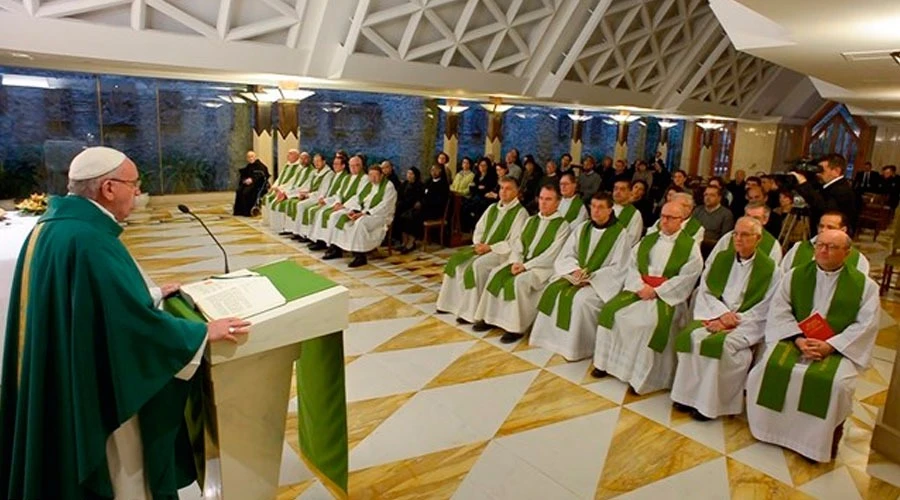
<point>835,192</point>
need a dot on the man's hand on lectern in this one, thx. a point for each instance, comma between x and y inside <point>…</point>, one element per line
<point>227,329</point>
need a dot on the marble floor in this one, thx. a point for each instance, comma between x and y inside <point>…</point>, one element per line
<point>437,410</point>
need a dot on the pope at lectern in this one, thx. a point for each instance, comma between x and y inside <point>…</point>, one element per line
<point>95,376</point>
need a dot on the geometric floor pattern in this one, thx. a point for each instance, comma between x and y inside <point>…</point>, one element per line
<point>436,410</point>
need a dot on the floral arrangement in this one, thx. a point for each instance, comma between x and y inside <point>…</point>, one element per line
<point>36,204</point>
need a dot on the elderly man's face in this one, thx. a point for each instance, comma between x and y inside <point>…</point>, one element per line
<point>508,192</point>
<point>673,214</point>
<point>745,239</point>
<point>251,157</point>
<point>356,165</point>
<point>118,195</point>
<point>304,158</point>
<point>567,186</point>
<point>832,249</point>
<point>293,157</point>
<point>758,213</point>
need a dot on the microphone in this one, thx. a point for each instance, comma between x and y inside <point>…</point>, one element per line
<point>185,210</point>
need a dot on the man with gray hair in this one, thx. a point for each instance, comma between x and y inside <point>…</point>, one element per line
<point>768,244</point>
<point>715,350</point>
<point>691,226</point>
<point>92,364</point>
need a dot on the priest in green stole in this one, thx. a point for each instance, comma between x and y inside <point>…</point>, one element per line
<point>466,272</point>
<point>715,350</point>
<point>804,251</point>
<point>363,222</point>
<point>95,376</point>
<point>589,272</point>
<point>635,328</point>
<point>316,224</point>
<point>316,184</point>
<point>626,213</point>
<point>571,206</point>
<point>801,391</point>
<point>690,226</point>
<point>284,181</point>
<point>294,186</point>
<point>513,289</point>
<point>768,244</point>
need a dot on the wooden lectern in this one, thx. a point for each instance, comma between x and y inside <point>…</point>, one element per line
<point>250,386</point>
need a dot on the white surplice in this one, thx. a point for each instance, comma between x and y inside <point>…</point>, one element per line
<point>564,205</point>
<point>367,232</point>
<point>327,176</point>
<point>291,188</point>
<point>578,342</point>
<point>715,387</point>
<point>635,227</point>
<point>698,236</point>
<point>319,231</point>
<point>807,434</point>
<point>454,297</point>
<point>727,238</point>
<point>516,316</point>
<point>288,172</point>
<point>622,352</point>
<point>788,261</point>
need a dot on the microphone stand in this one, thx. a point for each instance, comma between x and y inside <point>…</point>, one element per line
<point>185,210</point>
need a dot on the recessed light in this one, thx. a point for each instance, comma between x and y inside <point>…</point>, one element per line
<point>21,55</point>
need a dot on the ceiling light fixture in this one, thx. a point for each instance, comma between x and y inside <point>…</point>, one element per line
<point>707,125</point>
<point>274,95</point>
<point>610,122</point>
<point>452,109</point>
<point>212,104</point>
<point>495,107</point>
<point>21,55</point>
<point>579,118</point>
<point>36,82</point>
<point>666,124</point>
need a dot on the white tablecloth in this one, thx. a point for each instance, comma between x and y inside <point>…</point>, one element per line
<point>13,232</point>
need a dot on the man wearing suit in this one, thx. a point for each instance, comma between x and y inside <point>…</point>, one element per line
<point>836,193</point>
<point>866,181</point>
<point>890,185</point>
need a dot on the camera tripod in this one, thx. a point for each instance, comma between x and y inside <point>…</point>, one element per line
<point>795,227</point>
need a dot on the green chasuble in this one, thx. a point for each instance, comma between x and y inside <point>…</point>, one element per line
<point>563,292</point>
<point>815,393</point>
<point>337,183</point>
<point>287,172</point>
<point>806,252</point>
<point>681,253</point>
<point>504,280</point>
<point>766,244</point>
<point>361,198</point>
<point>86,350</point>
<point>574,209</point>
<point>626,214</point>
<point>761,272</point>
<point>490,236</point>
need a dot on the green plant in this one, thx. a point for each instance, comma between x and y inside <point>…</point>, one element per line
<point>184,174</point>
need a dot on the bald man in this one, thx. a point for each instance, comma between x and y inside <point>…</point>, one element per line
<point>97,359</point>
<point>801,391</point>
<point>690,226</point>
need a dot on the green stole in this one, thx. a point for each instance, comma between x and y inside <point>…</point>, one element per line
<point>761,272</point>
<point>564,291</point>
<point>574,209</point>
<point>691,227</point>
<point>504,280</point>
<point>286,173</point>
<point>805,253</point>
<point>681,252</point>
<point>766,244</point>
<point>626,214</point>
<point>499,234</point>
<point>815,393</point>
<point>315,183</point>
<point>336,183</point>
<point>348,189</point>
<point>379,195</point>
<point>303,174</point>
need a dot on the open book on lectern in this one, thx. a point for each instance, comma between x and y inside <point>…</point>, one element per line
<point>240,294</point>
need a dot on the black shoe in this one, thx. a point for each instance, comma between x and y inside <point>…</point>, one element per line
<point>510,338</point>
<point>481,326</point>
<point>333,253</point>
<point>317,246</point>
<point>301,239</point>
<point>696,415</point>
<point>438,311</point>
<point>462,321</point>
<point>406,250</point>
<point>285,233</point>
<point>359,260</point>
<point>682,408</point>
<point>598,373</point>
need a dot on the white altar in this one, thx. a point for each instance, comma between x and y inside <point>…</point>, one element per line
<point>14,228</point>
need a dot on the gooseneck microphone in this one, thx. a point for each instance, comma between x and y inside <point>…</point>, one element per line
<point>185,210</point>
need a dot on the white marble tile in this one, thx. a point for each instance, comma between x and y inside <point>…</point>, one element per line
<point>535,355</point>
<point>573,372</point>
<point>884,354</point>
<point>864,388</point>
<point>707,481</point>
<point>711,433</point>
<point>886,471</point>
<point>393,290</point>
<point>657,408</point>
<point>884,368</point>
<point>360,338</point>
<point>413,298</point>
<point>393,372</point>
<point>610,388</point>
<point>835,485</point>
<point>495,341</point>
<point>377,282</point>
<point>500,474</point>
<point>316,491</point>
<point>360,302</point>
<point>571,452</point>
<point>442,418</point>
<point>765,458</point>
<point>430,308</point>
<point>293,470</point>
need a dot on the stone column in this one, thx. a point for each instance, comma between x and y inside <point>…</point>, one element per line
<point>577,143</point>
<point>262,136</point>
<point>288,129</point>
<point>663,146</point>
<point>704,162</point>
<point>687,146</point>
<point>493,140</point>
<point>451,139</point>
<point>621,152</point>
<point>886,437</point>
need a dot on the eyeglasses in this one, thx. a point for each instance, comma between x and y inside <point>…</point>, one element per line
<point>744,235</point>
<point>136,183</point>
<point>670,217</point>
<point>831,247</point>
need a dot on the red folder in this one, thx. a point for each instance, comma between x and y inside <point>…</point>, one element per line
<point>815,327</point>
<point>653,281</point>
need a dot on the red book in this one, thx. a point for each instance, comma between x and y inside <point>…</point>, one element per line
<point>815,327</point>
<point>653,281</point>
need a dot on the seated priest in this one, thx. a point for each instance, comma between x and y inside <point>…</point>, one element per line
<point>251,182</point>
<point>690,226</point>
<point>635,329</point>
<point>571,206</point>
<point>304,195</point>
<point>588,273</point>
<point>364,220</point>
<point>768,244</point>
<point>313,225</point>
<point>513,290</point>
<point>466,272</point>
<point>626,213</point>
<point>804,251</point>
<point>715,350</point>
<point>820,333</point>
<point>291,177</point>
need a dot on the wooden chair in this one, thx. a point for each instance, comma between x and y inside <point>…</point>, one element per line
<point>890,261</point>
<point>875,213</point>
<point>428,225</point>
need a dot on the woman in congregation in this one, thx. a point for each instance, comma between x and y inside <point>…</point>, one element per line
<point>531,184</point>
<point>443,160</point>
<point>432,205</point>
<point>409,194</point>
<point>464,178</point>
<point>484,184</point>
<point>640,198</point>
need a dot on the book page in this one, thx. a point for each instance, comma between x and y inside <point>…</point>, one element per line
<point>241,298</point>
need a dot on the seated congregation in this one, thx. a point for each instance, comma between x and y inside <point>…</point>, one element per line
<point>787,336</point>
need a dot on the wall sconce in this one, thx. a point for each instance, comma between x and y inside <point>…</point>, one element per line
<point>666,124</point>
<point>452,108</point>
<point>624,118</point>
<point>496,107</point>
<point>233,99</point>
<point>579,118</point>
<point>707,125</point>
<point>275,95</point>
